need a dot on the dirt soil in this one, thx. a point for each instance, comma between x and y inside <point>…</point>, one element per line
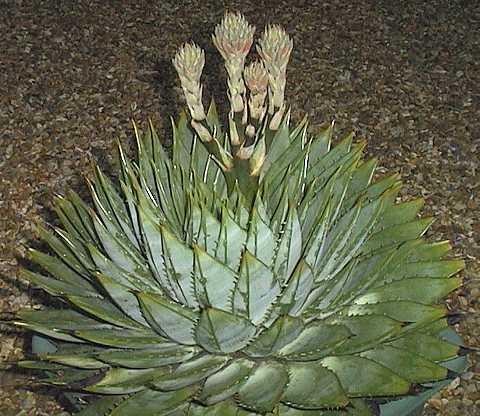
<point>404,74</point>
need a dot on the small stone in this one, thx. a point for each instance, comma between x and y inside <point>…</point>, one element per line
<point>475,293</point>
<point>454,384</point>
<point>473,396</point>
<point>468,375</point>
<point>436,403</point>
<point>28,401</point>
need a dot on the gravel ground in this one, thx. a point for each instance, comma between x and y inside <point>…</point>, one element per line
<point>404,74</point>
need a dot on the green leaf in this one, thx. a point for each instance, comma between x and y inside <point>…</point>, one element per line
<point>372,270</point>
<point>113,210</point>
<point>320,144</point>
<point>179,268</point>
<point>222,332</point>
<point>63,250</point>
<point>376,189</point>
<point>225,408</point>
<point>206,228</point>
<point>289,249</point>
<point>316,341</point>
<point>168,318</point>
<point>153,403</point>
<point>435,269</point>
<point>152,145</point>
<point>421,290</point>
<point>296,292</point>
<point>328,292</point>
<point>101,406</point>
<point>283,331</point>
<point>57,287</point>
<point>72,378</point>
<point>77,360</point>
<point>123,380</point>
<point>39,365</point>
<point>404,311</point>
<point>76,212</point>
<point>312,386</point>
<point>214,282</point>
<point>153,247</point>
<point>70,219</point>
<point>412,405</point>
<point>231,241</point>
<point>58,324</point>
<point>256,289</point>
<point>351,239</point>
<point>368,331</point>
<point>148,358</point>
<point>264,388</point>
<point>280,141</point>
<point>119,254</point>
<point>191,372</point>
<point>430,251</point>
<point>316,244</point>
<point>428,346</point>
<point>312,209</point>
<point>123,298</point>
<point>406,364</point>
<point>334,155</point>
<point>58,269</point>
<point>261,241</point>
<point>299,133</point>
<point>400,214</point>
<point>127,186</point>
<point>356,407</point>
<point>362,377</point>
<point>135,281</point>
<point>104,310</point>
<point>226,382</point>
<point>397,234</point>
<point>213,119</point>
<point>121,337</point>
<point>182,143</point>
<point>361,178</point>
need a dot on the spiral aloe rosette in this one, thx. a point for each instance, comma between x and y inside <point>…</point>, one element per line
<point>283,282</point>
<point>184,300</point>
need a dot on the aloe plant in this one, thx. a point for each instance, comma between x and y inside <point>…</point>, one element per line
<point>259,270</point>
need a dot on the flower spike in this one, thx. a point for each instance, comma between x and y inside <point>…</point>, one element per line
<point>233,38</point>
<point>274,48</point>
<point>189,62</point>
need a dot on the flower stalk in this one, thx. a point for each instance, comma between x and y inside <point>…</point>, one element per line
<point>233,38</point>
<point>275,48</point>
<point>189,62</point>
<point>256,78</point>
<point>256,93</point>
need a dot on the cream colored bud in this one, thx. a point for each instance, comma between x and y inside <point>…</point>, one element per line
<point>245,152</point>
<point>277,119</point>
<point>233,36</point>
<point>258,157</point>
<point>275,48</point>
<point>250,131</point>
<point>234,138</point>
<point>189,62</point>
<point>202,131</point>
<point>237,103</point>
<point>256,77</point>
